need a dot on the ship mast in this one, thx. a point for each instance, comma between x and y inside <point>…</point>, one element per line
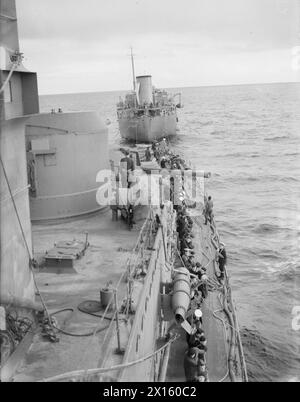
<point>133,71</point>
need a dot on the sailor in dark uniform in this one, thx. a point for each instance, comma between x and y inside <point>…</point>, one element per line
<point>126,166</point>
<point>148,155</point>
<point>222,260</point>
<point>193,364</point>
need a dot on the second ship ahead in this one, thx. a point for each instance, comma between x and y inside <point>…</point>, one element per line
<point>147,114</point>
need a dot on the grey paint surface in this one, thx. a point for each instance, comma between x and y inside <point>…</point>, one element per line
<point>16,277</point>
<point>148,129</point>
<point>76,149</point>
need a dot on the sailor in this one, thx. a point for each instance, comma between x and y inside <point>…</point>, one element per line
<point>198,340</point>
<point>192,360</point>
<point>157,222</point>
<point>203,343</point>
<point>200,270</point>
<point>126,167</point>
<point>163,163</point>
<point>194,281</point>
<point>193,340</point>
<point>131,156</point>
<point>189,220</point>
<point>191,365</point>
<point>198,319</point>
<point>163,146</point>
<point>148,155</point>
<point>181,221</point>
<point>189,242</point>
<point>183,247</point>
<point>156,153</point>
<point>222,260</point>
<point>195,321</point>
<point>189,253</point>
<point>203,286</point>
<point>202,372</point>
<point>185,225</point>
<point>130,216</point>
<point>183,230</point>
<point>129,161</point>
<point>186,261</point>
<point>196,269</point>
<point>192,265</point>
<point>209,210</point>
<point>200,378</point>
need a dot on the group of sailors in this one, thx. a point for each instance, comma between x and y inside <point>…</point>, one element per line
<point>130,108</point>
<point>158,151</point>
<point>195,356</point>
<point>195,363</point>
<point>164,157</point>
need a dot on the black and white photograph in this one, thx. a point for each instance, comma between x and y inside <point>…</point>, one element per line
<point>149,194</point>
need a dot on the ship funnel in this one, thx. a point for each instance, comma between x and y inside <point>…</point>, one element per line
<point>144,89</point>
<point>181,295</point>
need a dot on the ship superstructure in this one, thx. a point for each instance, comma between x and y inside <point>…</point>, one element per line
<point>147,114</point>
<point>42,176</point>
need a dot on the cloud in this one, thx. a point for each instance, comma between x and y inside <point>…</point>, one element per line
<point>265,21</point>
<point>77,46</point>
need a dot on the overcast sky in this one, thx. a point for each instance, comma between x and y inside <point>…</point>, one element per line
<point>83,46</point>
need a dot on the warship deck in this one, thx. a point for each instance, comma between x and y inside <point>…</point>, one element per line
<point>111,243</point>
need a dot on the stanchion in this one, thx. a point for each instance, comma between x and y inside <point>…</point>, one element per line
<point>119,350</point>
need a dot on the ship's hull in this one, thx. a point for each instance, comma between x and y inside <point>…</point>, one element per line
<point>148,129</point>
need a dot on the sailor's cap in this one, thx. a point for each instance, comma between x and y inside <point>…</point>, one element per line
<point>198,313</point>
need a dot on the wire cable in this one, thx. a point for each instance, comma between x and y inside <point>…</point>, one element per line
<point>70,333</point>
<point>14,66</point>
<point>31,262</point>
<point>108,369</point>
<point>82,310</point>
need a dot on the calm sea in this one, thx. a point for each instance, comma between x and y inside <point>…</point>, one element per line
<point>249,138</point>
